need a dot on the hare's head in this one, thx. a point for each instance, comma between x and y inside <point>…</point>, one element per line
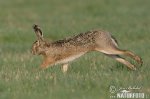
<point>38,45</point>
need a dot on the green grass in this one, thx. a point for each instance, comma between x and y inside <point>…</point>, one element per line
<point>90,76</point>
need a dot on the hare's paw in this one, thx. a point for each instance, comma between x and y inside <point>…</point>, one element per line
<point>138,59</point>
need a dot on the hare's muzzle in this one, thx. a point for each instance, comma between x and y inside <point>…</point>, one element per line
<point>32,52</point>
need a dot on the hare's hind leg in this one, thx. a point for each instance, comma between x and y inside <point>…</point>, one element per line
<point>117,51</point>
<point>122,60</point>
<point>132,55</point>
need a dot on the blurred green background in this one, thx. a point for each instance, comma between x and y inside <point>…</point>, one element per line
<point>90,76</point>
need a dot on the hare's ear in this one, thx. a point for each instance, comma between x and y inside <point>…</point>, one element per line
<point>38,32</point>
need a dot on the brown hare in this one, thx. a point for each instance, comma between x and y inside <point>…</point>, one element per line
<point>66,50</point>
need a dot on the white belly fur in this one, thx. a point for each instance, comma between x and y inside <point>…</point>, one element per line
<point>69,59</point>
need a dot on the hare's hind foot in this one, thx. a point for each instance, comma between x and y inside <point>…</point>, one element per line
<point>138,59</point>
<point>123,61</point>
<point>132,55</point>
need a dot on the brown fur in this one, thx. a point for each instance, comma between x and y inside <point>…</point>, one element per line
<point>68,49</point>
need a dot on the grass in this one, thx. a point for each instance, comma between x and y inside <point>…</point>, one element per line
<point>90,76</point>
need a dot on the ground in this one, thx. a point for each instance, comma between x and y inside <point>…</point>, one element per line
<point>90,76</point>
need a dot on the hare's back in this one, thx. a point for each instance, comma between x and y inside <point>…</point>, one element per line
<point>81,39</point>
<point>88,39</point>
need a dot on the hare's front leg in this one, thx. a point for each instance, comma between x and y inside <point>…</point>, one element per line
<point>47,62</point>
<point>64,67</point>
